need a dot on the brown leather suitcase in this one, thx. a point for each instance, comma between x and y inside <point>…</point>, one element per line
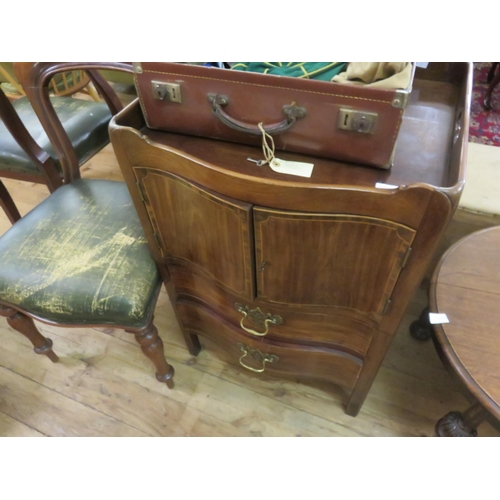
<point>356,124</point>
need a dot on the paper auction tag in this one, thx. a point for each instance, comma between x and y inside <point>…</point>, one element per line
<point>292,167</point>
<point>383,185</point>
<point>438,318</point>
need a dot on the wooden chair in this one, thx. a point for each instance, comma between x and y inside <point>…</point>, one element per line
<point>26,152</point>
<point>79,258</point>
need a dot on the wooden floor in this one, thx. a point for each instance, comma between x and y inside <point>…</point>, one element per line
<point>104,386</point>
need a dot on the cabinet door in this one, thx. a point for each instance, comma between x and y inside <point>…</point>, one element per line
<point>200,230</point>
<point>340,261</point>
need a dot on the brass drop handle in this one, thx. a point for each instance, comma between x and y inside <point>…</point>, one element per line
<point>258,317</point>
<point>257,355</point>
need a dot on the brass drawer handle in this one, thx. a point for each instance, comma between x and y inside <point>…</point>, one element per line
<point>259,318</point>
<point>257,355</point>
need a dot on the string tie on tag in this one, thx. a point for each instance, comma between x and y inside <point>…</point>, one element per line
<point>281,166</point>
<point>267,149</point>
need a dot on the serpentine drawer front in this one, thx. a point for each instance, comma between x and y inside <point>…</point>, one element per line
<point>260,355</point>
<point>346,332</point>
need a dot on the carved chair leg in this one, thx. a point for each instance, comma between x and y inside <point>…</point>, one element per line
<point>421,329</point>
<point>152,346</point>
<point>25,325</point>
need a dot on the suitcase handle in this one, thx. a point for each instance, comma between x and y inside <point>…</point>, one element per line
<point>291,112</point>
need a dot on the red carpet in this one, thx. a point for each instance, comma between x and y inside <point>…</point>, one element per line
<point>484,125</point>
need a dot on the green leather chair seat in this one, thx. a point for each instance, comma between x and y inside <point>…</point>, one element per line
<point>86,123</point>
<point>81,257</point>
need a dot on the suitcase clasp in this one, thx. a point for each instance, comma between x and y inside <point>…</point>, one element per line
<point>358,121</point>
<point>167,91</point>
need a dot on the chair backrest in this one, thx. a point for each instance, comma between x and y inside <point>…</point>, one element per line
<point>65,84</point>
<point>35,79</point>
<point>16,127</point>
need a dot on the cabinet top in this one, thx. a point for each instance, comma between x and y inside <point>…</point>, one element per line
<point>431,146</point>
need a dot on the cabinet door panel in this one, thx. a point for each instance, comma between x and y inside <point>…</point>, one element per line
<point>340,261</point>
<point>201,228</point>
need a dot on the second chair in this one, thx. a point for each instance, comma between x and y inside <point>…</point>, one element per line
<point>27,154</point>
<point>80,258</point>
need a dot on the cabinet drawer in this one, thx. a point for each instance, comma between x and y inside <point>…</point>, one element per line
<point>266,356</point>
<point>349,333</point>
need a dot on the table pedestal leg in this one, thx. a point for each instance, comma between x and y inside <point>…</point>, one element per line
<point>421,329</point>
<point>493,80</point>
<point>456,424</point>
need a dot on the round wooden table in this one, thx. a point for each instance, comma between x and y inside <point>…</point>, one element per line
<point>466,287</point>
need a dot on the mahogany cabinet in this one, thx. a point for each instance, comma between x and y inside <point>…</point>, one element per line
<point>305,277</point>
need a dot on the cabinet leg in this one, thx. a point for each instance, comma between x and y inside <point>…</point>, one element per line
<point>456,424</point>
<point>373,360</point>
<point>25,325</point>
<point>192,343</point>
<point>152,346</point>
<point>422,329</point>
